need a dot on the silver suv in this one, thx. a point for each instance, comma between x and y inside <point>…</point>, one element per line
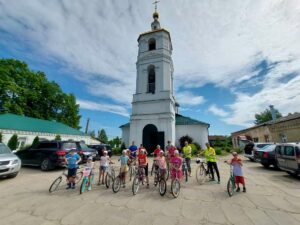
<point>10,164</point>
<point>288,157</point>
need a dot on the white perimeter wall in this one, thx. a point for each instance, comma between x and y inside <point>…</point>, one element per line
<point>28,137</point>
<point>199,133</point>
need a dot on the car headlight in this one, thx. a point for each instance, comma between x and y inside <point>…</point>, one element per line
<point>16,161</point>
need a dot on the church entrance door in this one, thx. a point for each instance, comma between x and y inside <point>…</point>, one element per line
<point>151,138</point>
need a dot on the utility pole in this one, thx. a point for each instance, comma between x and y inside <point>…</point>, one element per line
<point>87,125</point>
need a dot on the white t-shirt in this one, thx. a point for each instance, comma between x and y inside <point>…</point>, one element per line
<point>104,160</point>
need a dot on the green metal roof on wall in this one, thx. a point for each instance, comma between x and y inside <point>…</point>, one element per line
<point>10,121</point>
<point>180,120</point>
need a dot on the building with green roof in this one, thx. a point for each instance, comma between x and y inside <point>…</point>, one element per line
<point>27,128</point>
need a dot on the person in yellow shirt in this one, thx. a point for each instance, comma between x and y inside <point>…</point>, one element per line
<point>187,155</point>
<point>210,155</point>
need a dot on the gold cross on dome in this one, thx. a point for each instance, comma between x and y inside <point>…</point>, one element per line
<point>155,3</point>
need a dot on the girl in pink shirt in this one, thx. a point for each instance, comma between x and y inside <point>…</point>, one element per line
<point>176,165</point>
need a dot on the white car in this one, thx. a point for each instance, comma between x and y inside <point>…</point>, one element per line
<point>251,147</point>
<point>10,164</point>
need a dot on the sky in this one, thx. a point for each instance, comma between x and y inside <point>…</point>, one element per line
<point>232,59</point>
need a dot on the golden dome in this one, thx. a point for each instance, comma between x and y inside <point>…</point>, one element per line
<point>155,15</point>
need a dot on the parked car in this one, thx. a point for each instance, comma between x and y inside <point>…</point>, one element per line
<point>10,164</point>
<point>266,156</point>
<point>100,149</point>
<point>50,154</point>
<point>288,158</point>
<point>251,147</point>
<point>85,151</point>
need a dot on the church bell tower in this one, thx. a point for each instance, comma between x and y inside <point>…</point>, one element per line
<point>152,120</point>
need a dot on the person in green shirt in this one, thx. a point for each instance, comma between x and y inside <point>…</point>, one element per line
<point>187,155</point>
<point>210,155</point>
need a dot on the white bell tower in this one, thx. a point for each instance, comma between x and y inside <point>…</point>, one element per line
<point>152,120</point>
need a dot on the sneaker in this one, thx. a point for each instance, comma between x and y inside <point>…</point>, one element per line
<point>244,189</point>
<point>212,179</point>
<point>147,186</point>
<point>219,182</point>
<point>89,188</point>
<point>73,187</point>
<point>68,187</point>
<point>238,189</point>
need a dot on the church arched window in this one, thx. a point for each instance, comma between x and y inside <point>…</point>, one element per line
<point>151,79</point>
<point>152,44</point>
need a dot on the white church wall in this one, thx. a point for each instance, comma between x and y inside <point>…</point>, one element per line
<point>199,133</point>
<point>125,136</point>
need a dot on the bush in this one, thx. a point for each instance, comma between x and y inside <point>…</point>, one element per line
<point>218,151</point>
<point>227,149</point>
<point>185,138</point>
<point>57,138</point>
<point>238,150</point>
<point>123,146</point>
<point>13,142</point>
<point>195,150</point>
<point>117,151</point>
<point>35,142</point>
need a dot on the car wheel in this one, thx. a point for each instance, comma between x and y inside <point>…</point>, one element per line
<point>293,174</point>
<point>266,165</point>
<point>12,175</point>
<point>252,160</point>
<point>46,164</point>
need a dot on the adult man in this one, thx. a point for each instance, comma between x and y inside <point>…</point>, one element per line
<point>72,159</point>
<point>133,150</point>
<point>187,155</point>
<point>210,155</point>
<point>168,146</point>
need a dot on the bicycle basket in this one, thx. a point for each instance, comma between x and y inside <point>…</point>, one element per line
<point>86,172</point>
<point>199,160</point>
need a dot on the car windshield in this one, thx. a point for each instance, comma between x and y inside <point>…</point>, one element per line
<point>4,149</point>
<point>268,148</point>
<point>84,146</point>
<point>262,145</point>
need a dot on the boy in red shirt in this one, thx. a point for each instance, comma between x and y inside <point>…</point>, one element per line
<point>143,162</point>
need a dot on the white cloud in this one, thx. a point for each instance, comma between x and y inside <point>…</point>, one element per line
<point>188,98</point>
<point>217,111</point>
<point>217,42</point>
<point>117,109</point>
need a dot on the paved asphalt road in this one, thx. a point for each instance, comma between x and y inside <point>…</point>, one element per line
<point>272,197</point>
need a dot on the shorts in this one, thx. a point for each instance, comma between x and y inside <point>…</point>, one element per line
<point>239,179</point>
<point>72,172</point>
<point>103,168</point>
<point>123,169</point>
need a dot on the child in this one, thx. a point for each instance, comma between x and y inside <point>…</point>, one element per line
<point>72,159</point>
<point>90,165</point>
<point>124,165</point>
<point>176,165</point>
<point>237,164</point>
<point>104,160</point>
<point>161,163</point>
<point>143,162</point>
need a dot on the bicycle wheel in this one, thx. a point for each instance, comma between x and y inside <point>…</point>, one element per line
<point>116,185</point>
<point>162,187</point>
<point>83,185</point>
<point>230,187</point>
<point>175,188</point>
<point>107,180</point>
<point>55,184</point>
<point>186,175</point>
<point>78,177</point>
<point>200,174</point>
<point>135,185</point>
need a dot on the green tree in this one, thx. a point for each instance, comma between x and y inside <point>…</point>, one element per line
<point>35,142</point>
<point>13,142</point>
<point>102,136</point>
<point>1,137</point>
<point>57,138</point>
<point>29,93</point>
<point>266,116</point>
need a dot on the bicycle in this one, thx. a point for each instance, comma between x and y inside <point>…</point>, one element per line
<point>132,169</point>
<point>116,185</point>
<point>175,184</point>
<point>110,175</point>
<point>202,171</point>
<point>139,178</point>
<point>185,170</point>
<point>231,182</point>
<point>160,179</point>
<point>87,180</point>
<point>57,182</point>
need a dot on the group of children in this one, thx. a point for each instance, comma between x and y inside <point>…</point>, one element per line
<point>140,155</point>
